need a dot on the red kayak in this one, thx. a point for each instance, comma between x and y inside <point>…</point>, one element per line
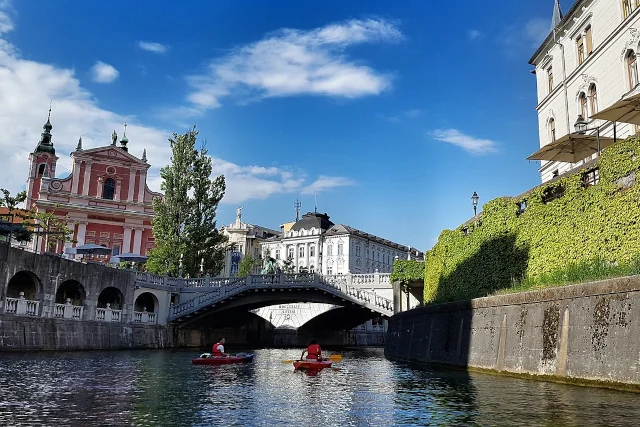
<point>311,364</point>
<point>207,359</point>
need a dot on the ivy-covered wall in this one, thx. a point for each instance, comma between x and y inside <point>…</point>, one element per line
<point>406,271</point>
<point>549,227</point>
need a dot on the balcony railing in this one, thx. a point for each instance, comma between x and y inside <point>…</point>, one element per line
<point>68,311</point>
<point>108,315</point>
<point>21,306</point>
<point>144,317</point>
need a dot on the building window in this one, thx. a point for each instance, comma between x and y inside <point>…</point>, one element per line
<point>108,188</point>
<point>550,79</point>
<point>312,269</point>
<point>580,46</point>
<point>329,250</point>
<point>587,36</point>
<point>591,177</point>
<point>552,129</point>
<point>628,6</point>
<point>582,99</point>
<point>301,252</point>
<point>41,169</point>
<point>632,69</point>
<point>277,253</point>
<point>116,250</point>
<point>329,271</point>
<point>593,96</point>
<point>340,249</point>
<point>290,252</point>
<point>312,250</point>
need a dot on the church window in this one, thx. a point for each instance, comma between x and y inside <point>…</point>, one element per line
<point>593,96</point>
<point>116,250</point>
<point>628,6</point>
<point>632,69</point>
<point>41,169</point>
<point>108,189</point>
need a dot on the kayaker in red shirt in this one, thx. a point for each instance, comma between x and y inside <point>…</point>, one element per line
<point>218,348</point>
<point>314,352</point>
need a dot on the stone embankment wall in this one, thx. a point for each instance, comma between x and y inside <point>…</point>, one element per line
<point>584,334</point>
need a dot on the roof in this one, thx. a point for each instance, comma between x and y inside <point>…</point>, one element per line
<point>563,21</point>
<point>341,229</point>
<point>313,220</point>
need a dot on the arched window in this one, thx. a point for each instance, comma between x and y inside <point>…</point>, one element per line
<point>593,96</point>
<point>108,188</point>
<point>582,99</point>
<point>552,129</point>
<point>632,69</point>
<point>41,169</point>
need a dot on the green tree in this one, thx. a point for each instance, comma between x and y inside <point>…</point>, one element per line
<point>246,266</point>
<point>21,234</point>
<point>185,220</point>
<point>288,267</point>
<point>49,226</point>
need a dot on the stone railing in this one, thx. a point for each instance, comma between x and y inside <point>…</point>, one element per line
<point>339,285</point>
<point>144,317</point>
<point>108,315</point>
<point>21,306</point>
<point>68,311</point>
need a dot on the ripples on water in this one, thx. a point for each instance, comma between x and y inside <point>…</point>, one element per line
<point>164,388</point>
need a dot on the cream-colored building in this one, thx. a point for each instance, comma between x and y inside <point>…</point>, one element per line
<point>245,240</point>
<point>586,63</point>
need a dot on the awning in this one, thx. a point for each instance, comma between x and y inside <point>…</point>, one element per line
<point>623,111</point>
<point>89,248</point>
<point>571,148</point>
<point>129,256</point>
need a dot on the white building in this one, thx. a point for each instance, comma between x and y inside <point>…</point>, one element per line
<point>587,62</point>
<point>316,244</point>
<point>245,240</point>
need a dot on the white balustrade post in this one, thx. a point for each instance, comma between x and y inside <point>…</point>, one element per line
<point>107,313</point>
<point>349,278</point>
<point>21,308</point>
<point>68,309</point>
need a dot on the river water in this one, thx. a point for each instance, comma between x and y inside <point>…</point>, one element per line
<point>163,388</point>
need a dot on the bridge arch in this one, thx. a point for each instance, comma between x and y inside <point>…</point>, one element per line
<point>73,290</point>
<point>146,301</point>
<point>25,282</point>
<point>112,296</point>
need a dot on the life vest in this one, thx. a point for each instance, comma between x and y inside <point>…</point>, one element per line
<point>313,351</point>
<point>215,351</point>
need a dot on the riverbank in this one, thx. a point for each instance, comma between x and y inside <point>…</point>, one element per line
<point>582,334</point>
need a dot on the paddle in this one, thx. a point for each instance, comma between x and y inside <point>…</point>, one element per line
<point>333,358</point>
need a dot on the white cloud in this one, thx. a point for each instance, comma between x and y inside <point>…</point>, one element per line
<point>295,62</point>
<point>104,73</point>
<point>536,30</point>
<point>473,34</point>
<point>153,47</point>
<point>325,183</point>
<point>468,143</point>
<point>26,87</point>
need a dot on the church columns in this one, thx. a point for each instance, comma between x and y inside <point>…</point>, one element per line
<point>82,231</point>
<point>118,189</point>
<point>137,240</point>
<point>100,186</point>
<point>87,178</point>
<point>132,180</point>
<point>142,179</point>
<point>76,177</point>
<point>126,244</point>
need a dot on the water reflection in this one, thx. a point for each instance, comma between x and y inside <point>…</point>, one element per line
<point>164,388</point>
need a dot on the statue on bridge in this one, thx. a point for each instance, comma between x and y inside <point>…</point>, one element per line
<point>270,266</point>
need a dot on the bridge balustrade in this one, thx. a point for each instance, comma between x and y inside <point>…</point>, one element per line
<point>68,311</point>
<point>108,315</point>
<point>21,306</point>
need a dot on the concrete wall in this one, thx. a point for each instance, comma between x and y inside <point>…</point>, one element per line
<point>583,333</point>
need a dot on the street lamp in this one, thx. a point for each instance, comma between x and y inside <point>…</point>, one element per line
<point>581,128</point>
<point>475,199</point>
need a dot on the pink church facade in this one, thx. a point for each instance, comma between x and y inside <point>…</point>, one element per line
<point>106,196</point>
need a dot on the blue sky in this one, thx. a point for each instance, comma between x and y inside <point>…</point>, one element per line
<point>392,114</point>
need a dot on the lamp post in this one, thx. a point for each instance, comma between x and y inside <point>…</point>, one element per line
<point>474,200</point>
<point>581,128</point>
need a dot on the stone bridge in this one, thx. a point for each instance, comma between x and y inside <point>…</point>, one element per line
<point>200,297</point>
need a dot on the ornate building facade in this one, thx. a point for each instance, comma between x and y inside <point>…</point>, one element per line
<point>587,62</point>
<point>245,240</point>
<point>316,244</point>
<point>105,197</point>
